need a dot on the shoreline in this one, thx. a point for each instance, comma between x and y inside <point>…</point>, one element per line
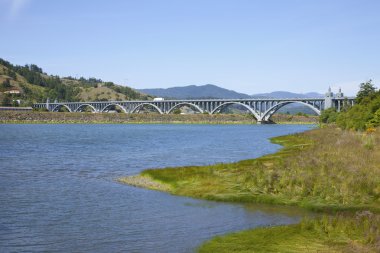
<point>340,222</point>
<point>35,117</point>
<point>146,179</point>
<point>15,122</point>
<point>145,182</point>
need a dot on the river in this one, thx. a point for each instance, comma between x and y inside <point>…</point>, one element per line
<point>58,191</point>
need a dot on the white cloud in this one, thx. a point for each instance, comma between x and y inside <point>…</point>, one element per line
<point>16,6</point>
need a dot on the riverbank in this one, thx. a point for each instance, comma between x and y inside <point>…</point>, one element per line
<point>343,233</point>
<point>35,117</point>
<point>323,169</point>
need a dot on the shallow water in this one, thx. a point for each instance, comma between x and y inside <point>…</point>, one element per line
<point>58,191</point>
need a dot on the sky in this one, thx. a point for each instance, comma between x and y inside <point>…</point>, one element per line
<point>247,46</point>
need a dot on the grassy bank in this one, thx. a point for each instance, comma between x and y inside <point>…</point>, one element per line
<point>35,117</point>
<point>323,169</point>
<point>342,233</point>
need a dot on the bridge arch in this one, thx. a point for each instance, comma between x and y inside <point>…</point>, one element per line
<point>257,116</point>
<point>83,105</point>
<point>185,103</point>
<point>57,107</point>
<point>268,113</point>
<point>116,105</point>
<point>143,104</point>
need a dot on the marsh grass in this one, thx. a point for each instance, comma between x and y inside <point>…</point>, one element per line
<point>322,169</point>
<point>338,233</point>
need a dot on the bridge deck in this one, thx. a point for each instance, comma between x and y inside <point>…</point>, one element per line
<point>261,108</point>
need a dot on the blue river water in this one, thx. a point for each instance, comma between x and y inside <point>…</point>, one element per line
<point>58,191</point>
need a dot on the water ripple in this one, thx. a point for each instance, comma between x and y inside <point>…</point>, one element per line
<point>58,194</point>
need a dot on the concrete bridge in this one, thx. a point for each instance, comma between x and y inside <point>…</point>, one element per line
<point>261,109</point>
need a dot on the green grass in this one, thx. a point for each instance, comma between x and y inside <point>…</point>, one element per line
<point>340,233</point>
<point>325,169</point>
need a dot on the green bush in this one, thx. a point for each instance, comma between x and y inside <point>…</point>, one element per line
<point>364,114</point>
<point>328,116</point>
<point>6,84</point>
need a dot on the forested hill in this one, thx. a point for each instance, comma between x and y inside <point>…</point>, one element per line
<point>213,91</point>
<point>36,86</point>
<point>195,92</point>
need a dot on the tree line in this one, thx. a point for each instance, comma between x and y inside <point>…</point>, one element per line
<point>59,88</point>
<point>33,74</point>
<point>364,115</point>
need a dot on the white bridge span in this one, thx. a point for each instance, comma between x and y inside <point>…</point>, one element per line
<point>261,109</point>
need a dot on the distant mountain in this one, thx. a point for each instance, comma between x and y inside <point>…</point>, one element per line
<point>291,108</point>
<point>286,94</point>
<point>194,92</point>
<point>213,91</point>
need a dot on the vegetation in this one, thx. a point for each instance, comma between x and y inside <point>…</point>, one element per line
<point>177,111</point>
<point>37,86</point>
<point>364,115</point>
<point>5,84</point>
<point>41,116</point>
<point>341,172</point>
<point>302,114</point>
<point>35,76</point>
<point>328,116</point>
<point>37,116</point>
<point>328,169</point>
<point>340,233</point>
<point>7,100</point>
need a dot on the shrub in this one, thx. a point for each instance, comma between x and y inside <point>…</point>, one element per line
<point>363,115</point>
<point>328,116</point>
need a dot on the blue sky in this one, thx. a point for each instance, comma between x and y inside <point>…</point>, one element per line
<point>248,46</point>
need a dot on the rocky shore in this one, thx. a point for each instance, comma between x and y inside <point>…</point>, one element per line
<point>144,182</point>
<point>120,118</point>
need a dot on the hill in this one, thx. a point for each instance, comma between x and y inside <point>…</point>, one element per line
<point>291,108</point>
<point>29,84</point>
<point>195,92</point>
<point>213,91</point>
<point>287,94</point>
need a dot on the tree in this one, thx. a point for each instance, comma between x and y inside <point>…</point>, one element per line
<point>177,111</point>
<point>35,68</point>
<point>6,83</point>
<point>375,121</point>
<point>7,100</point>
<point>361,116</point>
<point>328,116</point>
<point>12,74</point>
<point>367,91</point>
<point>346,105</point>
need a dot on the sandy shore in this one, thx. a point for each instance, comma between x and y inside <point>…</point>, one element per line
<point>144,182</point>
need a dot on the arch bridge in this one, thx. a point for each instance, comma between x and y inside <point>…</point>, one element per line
<point>261,109</point>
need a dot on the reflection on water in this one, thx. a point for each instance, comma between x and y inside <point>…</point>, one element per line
<point>57,188</point>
